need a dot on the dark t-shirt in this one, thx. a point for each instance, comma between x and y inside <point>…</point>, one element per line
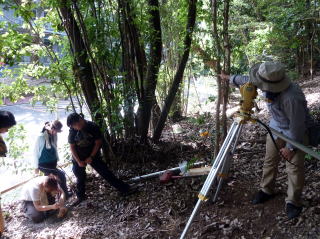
<point>84,139</point>
<point>3,147</point>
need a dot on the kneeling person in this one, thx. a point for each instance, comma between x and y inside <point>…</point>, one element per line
<point>38,197</point>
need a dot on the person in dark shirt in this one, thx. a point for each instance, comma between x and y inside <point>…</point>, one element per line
<point>7,121</point>
<point>85,139</point>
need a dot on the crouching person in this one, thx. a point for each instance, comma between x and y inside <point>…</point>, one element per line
<point>42,197</point>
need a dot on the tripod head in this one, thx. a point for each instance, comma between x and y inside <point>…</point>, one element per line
<point>248,93</point>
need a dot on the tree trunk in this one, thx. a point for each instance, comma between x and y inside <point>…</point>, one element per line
<point>145,77</point>
<point>150,83</point>
<point>97,70</point>
<point>129,78</point>
<point>187,97</point>
<point>214,7</point>
<point>176,112</point>
<point>227,53</point>
<point>179,74</point>
<point>155,115</point>
<point>135,50</point>
<point>82,67</point>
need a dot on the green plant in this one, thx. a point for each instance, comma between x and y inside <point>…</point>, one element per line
<point>66,154</point>
<point>199,120</point>
<point>191,162</point>
<point>293,75</point>
<point>211,98</point>
<point>309,157</point>
<point>17,146</point>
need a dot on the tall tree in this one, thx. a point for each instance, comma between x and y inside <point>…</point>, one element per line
<point>191,19</point>
<point>226,66</point>
<point>149,83</point>
<point>144,73</point>
<point>215,34</point>
<point>82,66</point>
<point>133,60</point>
<point>83,70</point>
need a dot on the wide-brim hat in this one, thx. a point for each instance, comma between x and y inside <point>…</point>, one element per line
<point>269,76</point>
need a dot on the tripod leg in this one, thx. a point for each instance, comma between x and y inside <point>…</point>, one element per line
<point>222,176</point>
<point>218,190</point>
<point>226,165</point>
<point>233,132</point>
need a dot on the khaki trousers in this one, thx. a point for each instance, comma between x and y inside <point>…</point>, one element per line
<point>294,171</point>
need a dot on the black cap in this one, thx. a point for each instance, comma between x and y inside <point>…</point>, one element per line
<point>73,118</point>
<point>7,119</point>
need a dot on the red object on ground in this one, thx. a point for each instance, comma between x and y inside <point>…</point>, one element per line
<point>167,176</point>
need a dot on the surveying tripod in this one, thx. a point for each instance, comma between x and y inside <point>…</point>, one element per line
<point>221,164</point>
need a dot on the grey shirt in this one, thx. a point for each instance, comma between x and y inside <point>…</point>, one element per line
<point>289,111</point>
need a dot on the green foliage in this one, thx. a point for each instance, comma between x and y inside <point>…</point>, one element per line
<point>293,75</point>
<point>173,21</point>
<point>66,154</point>
<point>211,98</point>
<point>309,157</point>
<point>17,146</point>
<point>269,30</point>
<point>199,120</point>
<point>47,65</point>
<point>11,42</point>
<point>191,162</point>
<point>258,30</point>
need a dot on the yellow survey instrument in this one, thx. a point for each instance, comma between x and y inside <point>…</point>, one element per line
<point>248,94</point>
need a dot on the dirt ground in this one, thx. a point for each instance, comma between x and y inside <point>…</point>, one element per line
<point>162,210</point>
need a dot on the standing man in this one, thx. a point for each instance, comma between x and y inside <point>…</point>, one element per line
<point>7,121</point>
<point>290,116</point>
<point>85,139</point>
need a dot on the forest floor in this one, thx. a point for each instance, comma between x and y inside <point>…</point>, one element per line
<point>162,210</point>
